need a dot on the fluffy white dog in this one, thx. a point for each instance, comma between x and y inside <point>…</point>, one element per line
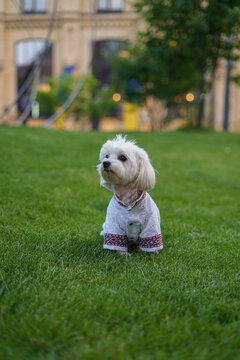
<point>132,216</point>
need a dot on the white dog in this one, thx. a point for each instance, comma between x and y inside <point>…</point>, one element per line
<point>132,216</point>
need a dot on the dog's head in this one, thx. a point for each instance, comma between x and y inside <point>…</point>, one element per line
<point>122,162</point>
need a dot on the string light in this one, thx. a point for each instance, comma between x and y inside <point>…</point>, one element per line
<point>172,43</point>
<point>44,88</point>
<point>116,97</point>
<point>124,54</point>
<point>190,97</point>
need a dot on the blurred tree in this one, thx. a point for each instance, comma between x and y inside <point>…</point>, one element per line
<point>92,101</point>
<point>54,93</point>
<point>183,41</point>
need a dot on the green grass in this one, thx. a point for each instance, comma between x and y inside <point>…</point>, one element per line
<point>63,297</point>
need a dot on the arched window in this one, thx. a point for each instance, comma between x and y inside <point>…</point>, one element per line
<point>27,50</point>
<point>101,67</point>
<point>34,6</point>
<point>26,53</point>
<point>110,5</point>
<point>103,51</point>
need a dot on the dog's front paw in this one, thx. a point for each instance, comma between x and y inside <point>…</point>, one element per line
<point>123,253</point>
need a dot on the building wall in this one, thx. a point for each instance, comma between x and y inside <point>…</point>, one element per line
<point>219,93</point>
<point>234,103</point>
<point>72,40</point>
<point>219,98</point>
<point>72,36</point>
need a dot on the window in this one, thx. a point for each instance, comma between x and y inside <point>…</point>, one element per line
<point>34,6</point>
<point>27,51</point>
<point>103,51</point>
<point>26,54</point>
<point>110,5</point>
<point>101,66</point>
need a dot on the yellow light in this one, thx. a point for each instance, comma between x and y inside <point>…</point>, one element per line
<point>172,43</point>
<point>124,54</point>
<point>189,97</point>
<point>44,87</point>
<point>116,97</point>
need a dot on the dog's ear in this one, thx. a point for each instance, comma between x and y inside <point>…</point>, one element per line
<point>103,182</point>
<point>146,174</point>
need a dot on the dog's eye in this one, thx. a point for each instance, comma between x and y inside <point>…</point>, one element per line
<point>107,156</point>
<point>122,158</point>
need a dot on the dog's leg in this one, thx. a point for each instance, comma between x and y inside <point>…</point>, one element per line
<point>126,253</point>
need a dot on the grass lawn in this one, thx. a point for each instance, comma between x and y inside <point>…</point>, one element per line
<point>63,297</point>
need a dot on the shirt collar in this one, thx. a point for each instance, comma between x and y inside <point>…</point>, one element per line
<point>137,202</point>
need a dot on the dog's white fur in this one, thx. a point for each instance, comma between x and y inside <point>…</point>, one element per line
<point>125,177</point>
<point>129,171</point>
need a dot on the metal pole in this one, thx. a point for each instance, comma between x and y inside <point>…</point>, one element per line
<point>226,98</point>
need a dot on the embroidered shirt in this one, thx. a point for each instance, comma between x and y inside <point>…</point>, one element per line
<point>138,223</point>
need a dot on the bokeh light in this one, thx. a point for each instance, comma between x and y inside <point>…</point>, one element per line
<point>190,97</point>
<point>116,97</point>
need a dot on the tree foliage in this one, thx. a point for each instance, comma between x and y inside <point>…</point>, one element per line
<point>182,41</point>
<point>92,101</point>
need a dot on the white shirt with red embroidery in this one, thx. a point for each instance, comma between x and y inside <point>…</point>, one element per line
<point>139,223</point>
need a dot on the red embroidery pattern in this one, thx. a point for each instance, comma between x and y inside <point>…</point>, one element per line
<point>142,197</point>
<point>150,242</point>
<point>115,240</point>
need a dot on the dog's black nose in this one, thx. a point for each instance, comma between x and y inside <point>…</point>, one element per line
<point>106,164</point>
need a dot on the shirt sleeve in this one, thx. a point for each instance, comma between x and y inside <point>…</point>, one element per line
<point>115,237</point>
<point>150,237</point>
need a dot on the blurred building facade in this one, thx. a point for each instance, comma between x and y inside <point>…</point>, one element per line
<point>24,25</point>
<point>23,29</point>
<point>223,112</point>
